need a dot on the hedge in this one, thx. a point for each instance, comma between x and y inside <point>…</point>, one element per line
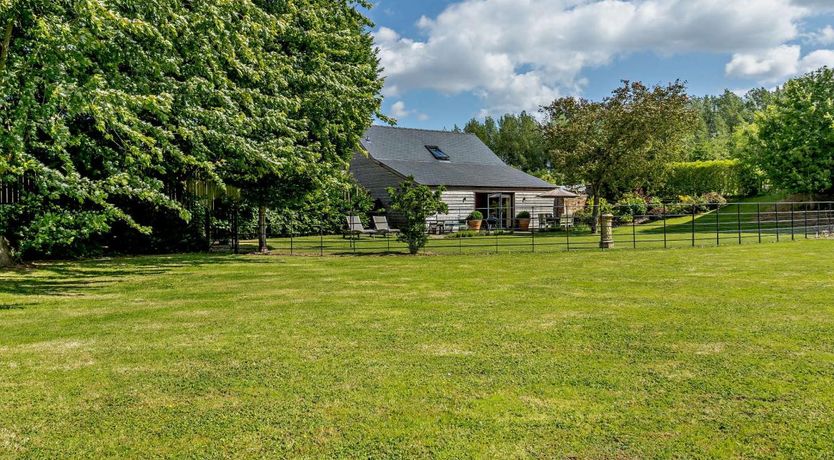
<point>700,177</point>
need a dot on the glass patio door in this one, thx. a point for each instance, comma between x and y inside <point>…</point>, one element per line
<point>500,209</point>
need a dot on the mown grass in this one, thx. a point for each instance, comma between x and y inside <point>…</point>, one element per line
<point>715,352</point>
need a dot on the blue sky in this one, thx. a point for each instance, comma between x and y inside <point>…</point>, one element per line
<point>450,60</point>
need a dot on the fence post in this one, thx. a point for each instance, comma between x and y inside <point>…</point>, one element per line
<point>776,210</point>
<point>533,231</point>
<point>665,240</point>
<point>806,221</point>
<point>738,221</point>
<point>291,236</point>
<point>693,225</point>
<point>236,226</point>
<point>759,220</point>
<point>718,225</point>
<point>321,240</point>
<point>567,233</point>
<point>634,232</point>
<point>497,251</point>
<point>793,236</point>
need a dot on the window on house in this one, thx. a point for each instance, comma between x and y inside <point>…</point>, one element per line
<point>437,153</point>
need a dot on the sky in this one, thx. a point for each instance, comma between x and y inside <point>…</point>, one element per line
<point>447,61</point>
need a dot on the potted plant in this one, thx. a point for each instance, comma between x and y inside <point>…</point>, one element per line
<point>474,220</point>
<point>523,220</point>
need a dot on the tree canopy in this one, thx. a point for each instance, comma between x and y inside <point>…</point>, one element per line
<point>622,142</point>
<point>794,136</point>
<point>516,139</point>
<point>113,105</point>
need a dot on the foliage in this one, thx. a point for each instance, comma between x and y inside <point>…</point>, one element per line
<point>714,199</point>
<point>747,150</point>
<point>324,210</point>
<point>415,203</point>
<point>687,204</point>
<point>516,139</point>
<point>475,215</point>
<point>523,215</point>
<point>795,135</point>
<point>622,142</point>
<point>631,204</point>
<point>111,106</point>
<point>699,177</point>
<point>463,234</point>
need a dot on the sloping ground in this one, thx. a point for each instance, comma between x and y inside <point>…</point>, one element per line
<point>714,352</point>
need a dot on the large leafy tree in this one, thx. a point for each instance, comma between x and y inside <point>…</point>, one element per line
<point>622,142</point>
<point>794,136</point>
<point>110,105</point>
<point>336,83</point>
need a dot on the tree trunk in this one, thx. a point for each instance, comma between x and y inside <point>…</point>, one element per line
<point>7,42</point>
<point>595,212</point>
<point>262,230</point>
<point>595,215</point>
<point>6,259</point>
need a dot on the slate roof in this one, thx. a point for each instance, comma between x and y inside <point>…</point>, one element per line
<point>471,163</point>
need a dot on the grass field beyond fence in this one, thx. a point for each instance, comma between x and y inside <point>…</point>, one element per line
<point>712,352</point>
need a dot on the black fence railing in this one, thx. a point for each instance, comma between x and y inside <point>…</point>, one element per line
<point>12,192</point>
<point>548,229</point>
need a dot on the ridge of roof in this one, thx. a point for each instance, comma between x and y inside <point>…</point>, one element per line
<point>439,131</point>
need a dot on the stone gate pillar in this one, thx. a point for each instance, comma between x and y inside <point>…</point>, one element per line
<point>606,233</point>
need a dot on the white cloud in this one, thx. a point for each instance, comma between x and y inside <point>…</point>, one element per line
<point>777,63</point>
<point>817,59</point>
<point>399,110</point>
<point>517,54</point>
<point>824,36</point>
<point>769,66</point>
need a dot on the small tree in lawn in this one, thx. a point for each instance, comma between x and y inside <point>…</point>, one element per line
<point>416,203</point>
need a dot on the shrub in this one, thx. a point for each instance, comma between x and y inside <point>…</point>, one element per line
<point>656,206</point>
<point>686,204</point>
<point>463,234</point>
<point>475,215</point>
<point>416,203</point>
<point>631,205</point>
<point>523,215</point>
<point>714,199</point>
<point>698,177</point>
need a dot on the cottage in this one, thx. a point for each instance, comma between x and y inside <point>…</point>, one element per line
<point>473,176</point>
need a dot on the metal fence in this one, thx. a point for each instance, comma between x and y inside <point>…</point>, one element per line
<point>11,192</point>
<point>550,229</point>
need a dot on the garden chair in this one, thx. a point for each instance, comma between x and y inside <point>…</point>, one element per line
<point>566,222</point>
<point>356,229</point>
<point>382,227</point>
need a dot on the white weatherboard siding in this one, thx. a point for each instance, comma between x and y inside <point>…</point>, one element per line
<point>460,202</point>
<point>534,204</point>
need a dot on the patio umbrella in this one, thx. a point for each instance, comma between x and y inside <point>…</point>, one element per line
<point>558,193</point>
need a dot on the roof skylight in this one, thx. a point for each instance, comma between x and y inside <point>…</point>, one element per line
<point>437,153</point>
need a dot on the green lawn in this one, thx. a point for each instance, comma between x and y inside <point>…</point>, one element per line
<point>711,352</point>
